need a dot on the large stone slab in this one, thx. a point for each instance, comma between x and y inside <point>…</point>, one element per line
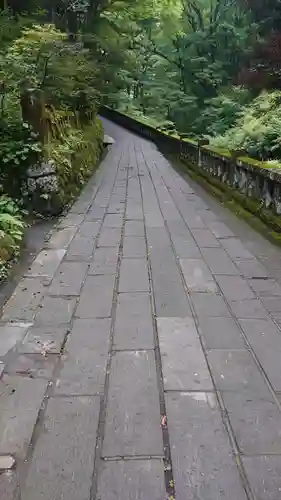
<point>81,248</point>
<point>235,288</point>
<point>96,297</point>
<point>61,238</point>
<point>251,268</point>
<point>83,364</point>
<point>198,277</point>
<point>133,276</point>
<point>264,475</point>
<point>69,279</point>
<point>249,308</point>
<point>20,401</point>
<point>266,288</point>
<point>265,339</point>
<point>183,362</point>
<point>25,300</point>
<point>11,334</point>
<point>110,237</point>
<point>55,310</point>
<point>32,365</point>
<point>105,261</point>
<point>134,247</point>
<point>9,486</point>
<point>46,263</point>
<point>209,305</point>
<point>137,479</point>
<point>132,426</point>
<point>236,250</point>
<point>133,324</point>
<point>134,228</point>
<point>255,421</point>
<point>221,333</point>
<point>220,230</point>
<point>63,459</point>
<point>44,340</point>
<point>205,238</point>
<point>203,464</point>
<point>219,262</point>
<point>235,371</point>
<point>112,220</point>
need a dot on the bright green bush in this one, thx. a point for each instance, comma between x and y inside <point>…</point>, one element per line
<point>11,232</point>
<point>258,130</point>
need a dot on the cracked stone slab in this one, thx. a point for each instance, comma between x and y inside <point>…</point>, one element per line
<point>133,324</point>
<point>20,401</point>
<point>83,364</point>
<point>46,263</point>
<point>132,426</point>
<point>203,463</point>
<point>11,334</point>
<point>135,479</point>
<point>63,459</point>
<point>183,362</point>
<point>198,277</point>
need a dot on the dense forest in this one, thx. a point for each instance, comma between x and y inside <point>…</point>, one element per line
<point>203,68</point>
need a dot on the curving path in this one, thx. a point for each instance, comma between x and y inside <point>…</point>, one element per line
<point>141,354</point>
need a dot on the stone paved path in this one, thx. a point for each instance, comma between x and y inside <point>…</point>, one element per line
<point>141,354</point>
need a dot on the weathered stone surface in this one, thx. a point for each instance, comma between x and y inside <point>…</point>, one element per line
<point>134,247</point>
<point>135,479</point>
<point>266,288</point>
<point>203,464</point>
<point>55,311</point>
<point>20,402</point>
<point>44,339</point>
<point>264,475</point>
<point>133,276</point>
<point>255,421</point>
<point>183,362</point>
<point>251,269</point>
<point>221,333</point>
<point>205,238</point>
<point>63,460</point>
<point>81,248</point>
<point>105,261</point>
<point>112,220</point>
<point>69,279</point>
<point>9,486</point>
<point>133,414</point>
<point>89,229</point>
<point>272,304</point>
<point>209,305</point>
<point>198,277</point>
<point>133,324</point>
<point>236,250</point>
<point>61,238</point>
<point>249,308</point>
<point>96,297</point>
<point>183,242</point>
<point>32,365</point>
<point>265,339</point>
<point>10,335</point>
<point>110,237</point>
<point>83,364</point>
<point>134,228</point>
<point>24,301</point>
<point>235,288</point>
<point>46,263</point>
<point>220,230</point>
<point>235,370</point>
<point>219,262</point>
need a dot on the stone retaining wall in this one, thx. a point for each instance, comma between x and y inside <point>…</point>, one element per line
<point>261,184</point>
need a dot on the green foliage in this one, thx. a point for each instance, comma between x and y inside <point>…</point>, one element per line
<point>258,130</point>
<point>11,233</point>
